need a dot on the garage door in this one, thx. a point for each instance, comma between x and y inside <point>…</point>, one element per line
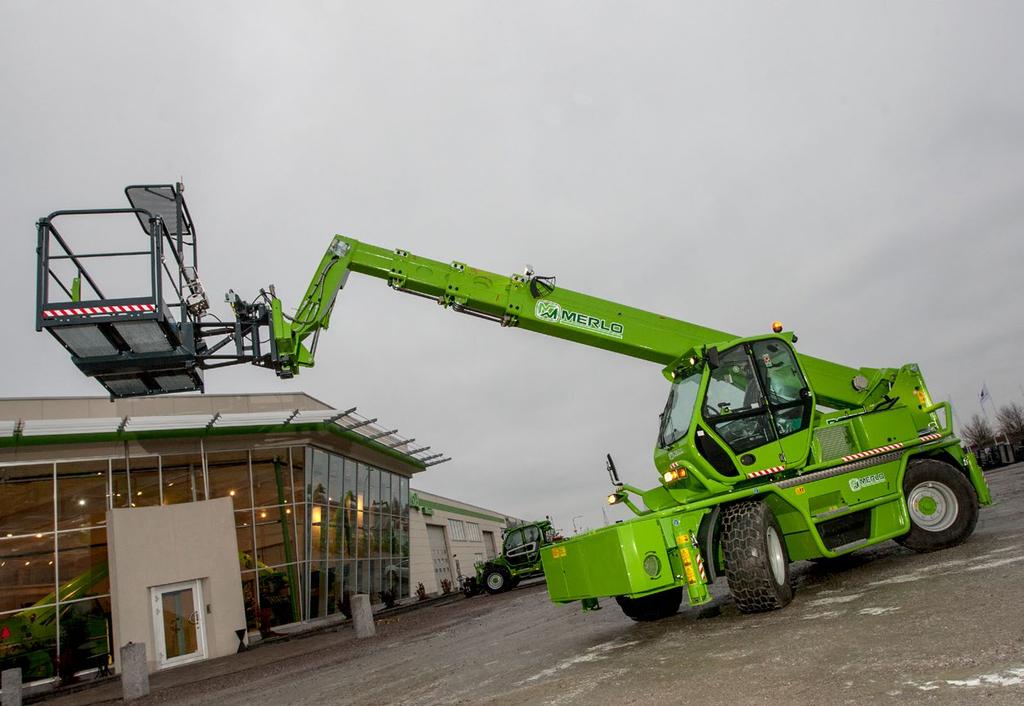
<point>439,553</point>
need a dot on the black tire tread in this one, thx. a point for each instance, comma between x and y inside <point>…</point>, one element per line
<point>504,586</point>
<point>921,540</point>
<point>747,567</point>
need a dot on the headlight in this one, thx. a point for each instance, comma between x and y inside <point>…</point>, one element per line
<point>673,474</point>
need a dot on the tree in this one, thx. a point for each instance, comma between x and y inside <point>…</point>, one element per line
<point>1011,420</point>
<point>978,432</point>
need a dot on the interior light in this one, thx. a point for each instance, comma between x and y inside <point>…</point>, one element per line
<point>81,501</point>
<point>231,493</point>
<point>263,514</point>
<point>51,562</point>
<point>138,493</point>
<point>288,511</point>
<point>10,534</point>
<point>777,326</point>
<point>27,563</point>
<point>170,484</point>
<point>39,536</point>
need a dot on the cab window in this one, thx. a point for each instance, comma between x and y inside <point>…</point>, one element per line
<point>513,539</point>
<point>784,385</point>
<point>734,405</point>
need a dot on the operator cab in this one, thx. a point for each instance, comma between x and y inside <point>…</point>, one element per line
<point>735,413</point>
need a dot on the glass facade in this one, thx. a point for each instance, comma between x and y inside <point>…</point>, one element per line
<point>358,539</point>
<point>313,527</point>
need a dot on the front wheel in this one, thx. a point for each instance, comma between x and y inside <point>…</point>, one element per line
<point>496,580</point>
<point>756,560</point>
<point>942,505</point>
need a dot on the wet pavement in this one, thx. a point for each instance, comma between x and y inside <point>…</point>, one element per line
<point>886,625</point>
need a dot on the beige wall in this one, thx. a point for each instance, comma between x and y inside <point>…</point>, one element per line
<point>155,546</point>
<point>467,551</point>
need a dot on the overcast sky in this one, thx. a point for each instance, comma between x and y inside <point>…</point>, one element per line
<point>854,170</point>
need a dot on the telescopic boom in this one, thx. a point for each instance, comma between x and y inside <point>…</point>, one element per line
<point>533,303</point>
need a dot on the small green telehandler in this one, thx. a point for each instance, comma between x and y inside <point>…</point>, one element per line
<point>519,559</point>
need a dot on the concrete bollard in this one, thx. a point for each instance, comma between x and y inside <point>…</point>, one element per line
<point>134,671</point>
<point>362,616</point>
<point>10,682</point>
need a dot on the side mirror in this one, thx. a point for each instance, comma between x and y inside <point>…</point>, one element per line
<point>612,473</point>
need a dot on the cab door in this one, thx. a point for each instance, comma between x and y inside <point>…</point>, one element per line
<point>735,410</point>
<point>788,396</point>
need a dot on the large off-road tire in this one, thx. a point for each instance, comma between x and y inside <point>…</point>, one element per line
<point>756,560</point>
<point>652,607</point>
<point>942,505</point>
<point>496,580</point>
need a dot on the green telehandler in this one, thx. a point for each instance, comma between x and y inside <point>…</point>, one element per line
<point>764,456</point>
<point>519,559</point>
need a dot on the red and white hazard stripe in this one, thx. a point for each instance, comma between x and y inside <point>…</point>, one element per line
<point>930,437</point>
<point>874,452</point>
<point>766,472</point>
<point>140,308</point>
<point>700,568</point>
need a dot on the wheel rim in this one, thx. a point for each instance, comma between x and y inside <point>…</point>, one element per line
<point>933,506</point>
<point>495,581</point>
<point>776,557</point>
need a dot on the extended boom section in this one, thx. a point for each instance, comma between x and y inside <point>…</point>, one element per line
<point>533,303</point>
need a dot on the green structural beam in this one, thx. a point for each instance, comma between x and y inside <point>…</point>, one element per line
<point>534,304</point>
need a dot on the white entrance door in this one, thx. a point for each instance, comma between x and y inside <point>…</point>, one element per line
<point>179,623</point>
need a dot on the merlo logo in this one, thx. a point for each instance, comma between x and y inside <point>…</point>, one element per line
<point>552,311</point>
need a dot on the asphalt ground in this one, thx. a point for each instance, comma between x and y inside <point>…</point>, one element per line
<point>884,626</point>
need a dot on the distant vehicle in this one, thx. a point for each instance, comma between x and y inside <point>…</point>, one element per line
<point>999,455</point>
<point>519,559</point>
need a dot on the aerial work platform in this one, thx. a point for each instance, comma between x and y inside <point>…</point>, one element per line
<point>151,338</point>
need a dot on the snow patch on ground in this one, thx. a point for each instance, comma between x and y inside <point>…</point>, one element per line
<point>835,599</point>
<point>997,562</point>
<point>1008,677</point>
<point>828,614</point>
<point>592,654</point>
<point>905,578</point>
<point>879,611</point>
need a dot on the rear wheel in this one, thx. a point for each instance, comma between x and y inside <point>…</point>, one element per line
<point>942,505</point>
<point>653,607</point>
<point>756,561</point>
<point>496,580</point>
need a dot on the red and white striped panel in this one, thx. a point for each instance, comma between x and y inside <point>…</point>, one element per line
<point>141,308</point>
<point>700,567</point>
<point>930,437</point>
<point>766,472</point>
<point>873,452</point>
